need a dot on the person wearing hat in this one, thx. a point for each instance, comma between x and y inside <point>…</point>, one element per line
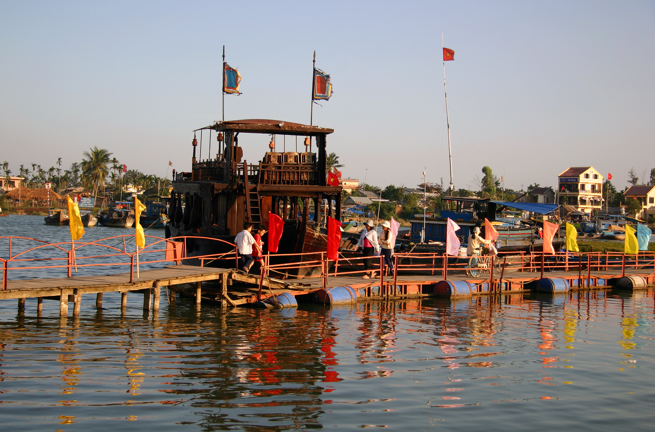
<point>368,241</point>
<point>475,242</point>
<point>387,243</point>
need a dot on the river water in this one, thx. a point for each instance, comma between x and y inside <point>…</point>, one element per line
<point>525,362</point>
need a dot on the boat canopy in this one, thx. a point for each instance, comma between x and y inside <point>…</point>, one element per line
<point>530,207</point>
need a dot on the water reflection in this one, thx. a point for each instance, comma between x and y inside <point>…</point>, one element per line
<point>322,367</point>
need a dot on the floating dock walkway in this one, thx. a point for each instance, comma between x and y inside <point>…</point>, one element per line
<point>418,276</point>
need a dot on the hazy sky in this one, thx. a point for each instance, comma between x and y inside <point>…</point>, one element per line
<point>536,86</point>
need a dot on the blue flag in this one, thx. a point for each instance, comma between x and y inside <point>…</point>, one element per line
<point>231,79</point>
<point>643,236</point>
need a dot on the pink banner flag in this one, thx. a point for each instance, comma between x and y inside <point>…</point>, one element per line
<point>394,229</point>
<point>550,229</point>
<point>452,242</point>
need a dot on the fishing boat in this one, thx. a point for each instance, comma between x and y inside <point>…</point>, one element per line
<point>224,191</point>
<point>468,212</point>
<point>155,215</point>
<point>116,218</point>
<point>57,217</point>
<point>88,220</point>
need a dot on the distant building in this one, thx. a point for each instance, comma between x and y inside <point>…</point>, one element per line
<point>541,195</point>
<point>358,201</point>
<point>646,196</point>
<point>581,188</point>
<point>13,183</point>
<point>349,185</point>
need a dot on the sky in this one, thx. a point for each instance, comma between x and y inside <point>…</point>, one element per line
<point>535,87</point>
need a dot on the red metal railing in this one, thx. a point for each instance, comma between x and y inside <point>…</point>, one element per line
<point>74,256</point>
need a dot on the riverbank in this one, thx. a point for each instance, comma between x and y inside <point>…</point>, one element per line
<point>605,246</point>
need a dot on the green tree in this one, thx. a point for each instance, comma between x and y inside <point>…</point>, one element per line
<point>633,206</point>
<point>95,168</point>
<point>488,183</point>
<point>393,193</point>
<point>333,162</point>
<point>632,177</point>
<point>652,177</point>
<point>610,194</point>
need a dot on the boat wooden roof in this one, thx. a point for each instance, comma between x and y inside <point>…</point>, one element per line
<point>267,126</point>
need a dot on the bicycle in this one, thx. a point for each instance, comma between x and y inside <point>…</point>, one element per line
<point>481,264</point>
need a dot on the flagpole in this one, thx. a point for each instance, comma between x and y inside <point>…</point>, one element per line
<point>450,155</point>
<point>311,115</point>
<point>223,88</point>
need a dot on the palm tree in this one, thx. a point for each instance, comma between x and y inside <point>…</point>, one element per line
<point>95,168</point>
<point>58,174</point>
<point>333,162</point>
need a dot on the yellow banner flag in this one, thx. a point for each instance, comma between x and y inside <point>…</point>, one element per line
<point>571,238</point>
<point>631,245</point>
<point>76,226</point>
<point>140,236</point>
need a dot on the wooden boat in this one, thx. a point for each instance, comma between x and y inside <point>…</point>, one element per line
<point>155,215</point>
<point>88,220</point>
<point>469,212</point>
<point>116,218</point>
<point>224,191</point>
<point>56,217</point>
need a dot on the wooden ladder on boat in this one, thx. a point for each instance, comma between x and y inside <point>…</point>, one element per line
<point>252,198</point>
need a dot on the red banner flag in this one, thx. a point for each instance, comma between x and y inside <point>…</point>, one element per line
<point>275,229</point>
<point>124,168</point>
<point>333,238</point>
<point>448,54</point>
<point>337,172</point>
<point>609,176</point>
<point>550,229</point>
<point>333,180</point>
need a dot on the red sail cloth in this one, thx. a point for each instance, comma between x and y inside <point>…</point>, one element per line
<point>275,229</point>
<point>333,239</point>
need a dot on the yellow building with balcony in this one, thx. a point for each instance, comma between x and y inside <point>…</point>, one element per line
<point>581,188</point>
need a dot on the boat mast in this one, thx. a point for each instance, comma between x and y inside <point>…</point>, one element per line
<point>223,88</point>
<point>451,187</point>
<point>311,115</point>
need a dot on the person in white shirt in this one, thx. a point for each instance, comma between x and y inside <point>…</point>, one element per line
<point>387,243</point>
<point>475,242</point>
<point>368,242</point>
<point>245,242</point>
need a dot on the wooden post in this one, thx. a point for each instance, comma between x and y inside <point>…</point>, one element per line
<point>21,306</point>
<point>63,304</point>
<point>198,292</point>
<point>39,306</point>
<point>147,293</point>
<point>155,299</point>
<point>123,301</point>
<point>99,300</point>
<point>173,294</point>
<point>77,303</point>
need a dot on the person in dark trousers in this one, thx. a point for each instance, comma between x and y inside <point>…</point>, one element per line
<point>368,242</point>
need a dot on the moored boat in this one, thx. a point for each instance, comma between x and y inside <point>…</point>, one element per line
<point>469,212</point>
<point>223,192</point>
<point>116,218</point>
<point>88,220</point>
<point>56,217</point>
